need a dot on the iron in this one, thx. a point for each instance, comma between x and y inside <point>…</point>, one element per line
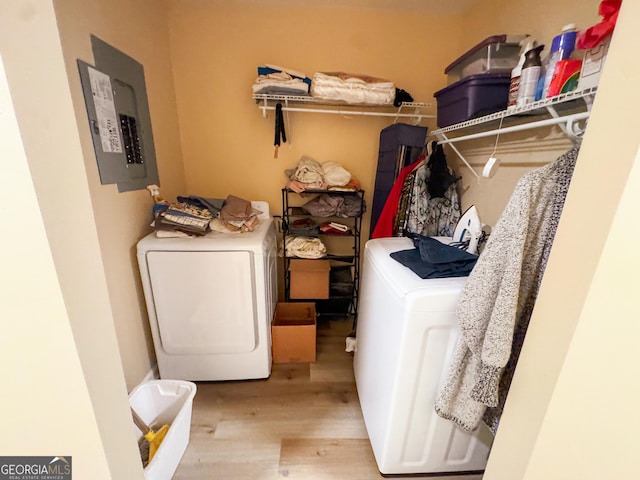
<point>468,230</point>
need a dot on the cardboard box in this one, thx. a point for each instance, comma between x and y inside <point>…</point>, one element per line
<point>293,333</point>
<point>592,65</point>
<point>309,279</point>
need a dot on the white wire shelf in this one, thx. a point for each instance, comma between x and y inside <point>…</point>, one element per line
<point>309,104</point>
<point>525,112</point>
<point>526,117</point>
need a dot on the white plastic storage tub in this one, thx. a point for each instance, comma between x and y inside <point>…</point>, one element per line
<point>165,402</point>
<point>407,331</point>
<point>497,54</point>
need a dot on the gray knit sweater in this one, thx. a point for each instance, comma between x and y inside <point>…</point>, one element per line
<point>500,288</point>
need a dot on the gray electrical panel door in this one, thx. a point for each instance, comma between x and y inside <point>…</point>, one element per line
<point>119,120</point>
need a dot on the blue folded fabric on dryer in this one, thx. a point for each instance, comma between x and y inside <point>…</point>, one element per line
<point>214,205</point>
<point>433,259</point>
<point>434,251</point>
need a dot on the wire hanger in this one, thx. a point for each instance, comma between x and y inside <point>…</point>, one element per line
<point>430,147</point>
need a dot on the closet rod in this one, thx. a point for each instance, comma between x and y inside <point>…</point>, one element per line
<point>569,120</point>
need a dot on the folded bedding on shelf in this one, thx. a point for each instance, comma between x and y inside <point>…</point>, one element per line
<point>309,174</point>
<point>305,247</point>
<point>352,88</point>
<point>274,80</point>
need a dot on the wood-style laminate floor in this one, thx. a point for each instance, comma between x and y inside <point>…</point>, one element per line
<point>302,423</point>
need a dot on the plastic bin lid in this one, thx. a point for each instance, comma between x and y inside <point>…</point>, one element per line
<point>477,80</point>
<point>502,38</point>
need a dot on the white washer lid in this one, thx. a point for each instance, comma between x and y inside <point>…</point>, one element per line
<point>402,280</point>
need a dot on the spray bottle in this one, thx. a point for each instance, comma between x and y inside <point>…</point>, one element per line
<point>529,76</point>
<point>526,44</point>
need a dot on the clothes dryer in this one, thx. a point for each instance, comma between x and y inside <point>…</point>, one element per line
<point>210,302</point>
<point>406,334</point>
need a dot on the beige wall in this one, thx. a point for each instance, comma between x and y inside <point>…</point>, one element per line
<point>62,394</point>
<point>41,328</point>
<point>139,30</point>
<point>216,49</point>
<point>542,20</point>
<point>590,426</point>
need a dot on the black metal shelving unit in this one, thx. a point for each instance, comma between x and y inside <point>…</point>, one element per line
<point>341,301</point>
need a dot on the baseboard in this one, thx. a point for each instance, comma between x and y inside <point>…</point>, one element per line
<point>152,374</point>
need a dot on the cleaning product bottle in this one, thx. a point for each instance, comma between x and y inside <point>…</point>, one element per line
<point>160,203</point>
<point>526,44</point>
<point>529,76</point>
<point>562,47</point>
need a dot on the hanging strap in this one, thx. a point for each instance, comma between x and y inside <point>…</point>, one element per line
<point>280,134</point>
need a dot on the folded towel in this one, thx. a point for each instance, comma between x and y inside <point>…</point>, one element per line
<point>236,208</point>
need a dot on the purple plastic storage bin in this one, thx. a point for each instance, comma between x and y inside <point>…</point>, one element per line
<point>472,97</point>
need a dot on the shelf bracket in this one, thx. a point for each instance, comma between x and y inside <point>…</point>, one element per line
<point>568,124</point>
<point>571,128</point>
<point>417,116</point>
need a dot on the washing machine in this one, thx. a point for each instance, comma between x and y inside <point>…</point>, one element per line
<point>210,302</point>
<point>406,334</point>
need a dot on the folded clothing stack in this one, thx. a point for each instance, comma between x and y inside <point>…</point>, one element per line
<point>214,205</point>
<point>274,80</point>
<point>236,216</point>
<point>304,227</point>
<point>335,228</point>
<point>335,205</point>
<point>309,174</point>
<point>180,219</point>
<point>196,216</point>
<point>353,88</point>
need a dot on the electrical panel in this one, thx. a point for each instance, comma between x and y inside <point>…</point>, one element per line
<point>119,121</point>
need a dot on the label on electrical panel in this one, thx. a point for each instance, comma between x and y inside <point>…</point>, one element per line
<point>108,124</point>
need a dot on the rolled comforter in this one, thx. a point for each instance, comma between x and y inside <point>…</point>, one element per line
<point>352,88</point>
